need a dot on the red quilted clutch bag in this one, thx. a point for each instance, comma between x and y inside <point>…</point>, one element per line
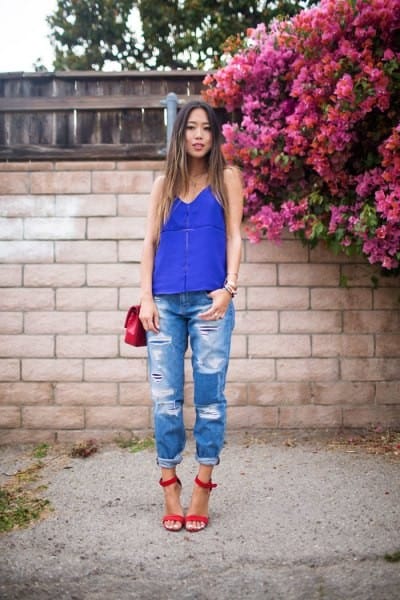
<point>135,335</point>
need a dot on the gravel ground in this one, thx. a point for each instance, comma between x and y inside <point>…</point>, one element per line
<point>290,520</point>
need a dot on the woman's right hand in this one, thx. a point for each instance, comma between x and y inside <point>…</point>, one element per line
<point>149,315</point>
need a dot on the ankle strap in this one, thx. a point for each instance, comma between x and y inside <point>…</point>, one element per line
<point>170,481</point>
<point>209,486</point>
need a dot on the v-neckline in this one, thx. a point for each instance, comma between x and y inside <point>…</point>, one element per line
<point>195,198</point>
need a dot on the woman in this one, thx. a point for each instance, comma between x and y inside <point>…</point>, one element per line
<point>189,274</point>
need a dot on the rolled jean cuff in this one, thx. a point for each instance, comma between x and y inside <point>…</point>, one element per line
<point>209,462</point>
<point>169,463</point>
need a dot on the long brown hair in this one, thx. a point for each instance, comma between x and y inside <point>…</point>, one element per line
<point>176,170</point>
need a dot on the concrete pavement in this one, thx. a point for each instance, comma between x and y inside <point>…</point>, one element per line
<point>289,521</point>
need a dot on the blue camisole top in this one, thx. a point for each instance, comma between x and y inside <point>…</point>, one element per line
<point>191,255</point>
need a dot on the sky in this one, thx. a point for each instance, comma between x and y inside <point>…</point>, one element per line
<point>23,34</point>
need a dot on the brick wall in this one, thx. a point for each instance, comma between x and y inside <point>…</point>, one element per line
<point>308,351</point>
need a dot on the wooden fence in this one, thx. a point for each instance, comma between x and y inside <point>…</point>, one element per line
<point>87,114</point>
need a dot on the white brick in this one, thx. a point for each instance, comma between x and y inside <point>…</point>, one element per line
<point>118,275</point>
<point>288,251</point>
<point>133,205</point>
<point>310,416</point>
<point>26,252</point>
<point>54,322</point>
<point>26,299</point>
<point>386,298</point>
<point>27,206</point>
<point>279,393</point>
<point>86,298</point>
<point>115,369</point>
<point>53,417</point>
<point>251,369</point>
<point>262,274</point>
<point>256,321</point>
<point>54,275</point>
<point>85,394</point>
<point>310,321</point>
<point>86,346</point>
<point>343,392</point>
<point>124,417</point>
<point>116,228</point>
<point>59,182</point>
<point>26,345</point>
<point>307,369</point>
<point>46,369</point>
<point>343,345</point>
<point>136,393</point>
<point>11,322</point>
<point>86,206</point>
<point>10,417</point>
<point>130,251</point>
<point>11,229</point>
<point>309,275</point>
<point>10,275</point>
<point>278,298</point>
<point>106,321</point>
<point>122,183</point>
<point>86,252</point>
<point>341,299</point>
<point>279,345</point>
<point>26,393</point>
<point>9,369</point>
<point>54,229</point>
<point>370,369</point>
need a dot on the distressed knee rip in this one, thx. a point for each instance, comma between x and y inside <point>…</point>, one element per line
<point>169,408</point>
<point>210,412</point>
<point>156,377</point>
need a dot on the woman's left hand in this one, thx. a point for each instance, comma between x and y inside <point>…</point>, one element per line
<point>221,299</point>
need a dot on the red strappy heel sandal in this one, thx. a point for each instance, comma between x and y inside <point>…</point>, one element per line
<point>176,518</point>
<point>199,518</point>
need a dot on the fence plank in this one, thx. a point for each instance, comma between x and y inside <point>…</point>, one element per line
<point>81,103</point>
<point>84,152</point>
<point>85,114</point>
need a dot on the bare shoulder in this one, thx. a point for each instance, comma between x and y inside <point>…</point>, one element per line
<point>159,182</point>
<point>234,191</point>
<point>232,176</point>
<point>157,188</point>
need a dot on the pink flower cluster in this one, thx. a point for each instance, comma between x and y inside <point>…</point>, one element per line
<point>316,105</point>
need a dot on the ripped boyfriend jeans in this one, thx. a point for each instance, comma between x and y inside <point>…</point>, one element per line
<point>210,343</point>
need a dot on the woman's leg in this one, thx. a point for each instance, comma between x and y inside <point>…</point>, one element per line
<point>172,500</point>
<point>166,372</point>
<point>166,351</point>
<point>210,341</point>
<point>199,501</point>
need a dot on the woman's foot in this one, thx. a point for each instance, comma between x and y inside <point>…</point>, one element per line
<point>173,519</point>
<point>197,515</point>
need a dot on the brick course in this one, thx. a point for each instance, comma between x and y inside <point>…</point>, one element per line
<point>306,352</point>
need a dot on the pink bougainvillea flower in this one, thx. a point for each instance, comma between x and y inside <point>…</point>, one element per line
<point>316,127</point>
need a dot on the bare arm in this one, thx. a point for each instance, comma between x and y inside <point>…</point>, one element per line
<point>148,310</point>
<point>233,182</point>
<point>234,189</point>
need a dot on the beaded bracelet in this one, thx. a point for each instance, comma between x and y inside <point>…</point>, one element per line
<point>230,288</point>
